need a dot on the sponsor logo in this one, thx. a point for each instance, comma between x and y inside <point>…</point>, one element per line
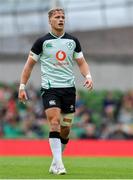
<point>60,55</point>
<point>52,102</point>
<point>61,64</point>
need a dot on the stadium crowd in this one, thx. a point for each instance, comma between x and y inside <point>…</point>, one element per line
<point>106,116</point>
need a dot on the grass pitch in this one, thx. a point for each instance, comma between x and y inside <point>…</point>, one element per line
<point>77,168</point>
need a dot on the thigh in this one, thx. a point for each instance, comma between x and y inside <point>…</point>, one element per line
<point>68,100</point>
<point>50,98</point>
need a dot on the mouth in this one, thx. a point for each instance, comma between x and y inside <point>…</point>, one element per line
<point>60,24</point>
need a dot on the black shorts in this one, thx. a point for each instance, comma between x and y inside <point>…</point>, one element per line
<point>64,98</point>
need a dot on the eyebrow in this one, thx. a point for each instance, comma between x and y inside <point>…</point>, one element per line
<point>56,16</point>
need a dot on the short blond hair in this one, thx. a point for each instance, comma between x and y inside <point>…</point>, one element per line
<point>52,11</point>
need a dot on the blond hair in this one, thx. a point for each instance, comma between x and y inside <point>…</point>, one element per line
<point>52,11</point>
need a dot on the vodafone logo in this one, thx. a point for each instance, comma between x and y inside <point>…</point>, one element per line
<point>60,55</point>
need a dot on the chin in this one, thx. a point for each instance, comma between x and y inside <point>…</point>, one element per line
<point>60,29</point>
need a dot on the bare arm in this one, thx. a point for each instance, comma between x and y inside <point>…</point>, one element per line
<point>27,70</point>
<point>85,71</point>
<point>25,77</point>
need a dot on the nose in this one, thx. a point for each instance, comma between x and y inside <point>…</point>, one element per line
<point>61,19</point>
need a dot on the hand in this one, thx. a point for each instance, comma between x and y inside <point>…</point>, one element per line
<point>22,96</point>
<point>88,83</point>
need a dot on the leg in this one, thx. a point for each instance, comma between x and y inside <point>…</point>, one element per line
<point>66,123</point>
<point>64,136</point>
<point>65,130</point>
<point>68,109</point>
<point>53,116</point>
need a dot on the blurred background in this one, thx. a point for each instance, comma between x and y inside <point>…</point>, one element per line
<point>105,31</point>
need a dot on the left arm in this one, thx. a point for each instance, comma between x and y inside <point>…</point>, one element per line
<point>85,71</point>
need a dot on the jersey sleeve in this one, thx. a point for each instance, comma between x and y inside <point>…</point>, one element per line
<point>77,51</point>
<point>36,49</point>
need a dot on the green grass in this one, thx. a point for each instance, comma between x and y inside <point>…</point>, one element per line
<point>77,168</point>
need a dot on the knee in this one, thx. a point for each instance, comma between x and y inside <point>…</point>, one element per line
<point>67,119</point>
<point>54,124</point>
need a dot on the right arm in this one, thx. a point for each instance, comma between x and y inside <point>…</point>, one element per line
<point>25,77</point>
<point>33,57</point>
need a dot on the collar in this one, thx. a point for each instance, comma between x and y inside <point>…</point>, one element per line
<point>57,37</point>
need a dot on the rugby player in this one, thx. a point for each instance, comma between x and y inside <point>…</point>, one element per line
<point>57,51</point>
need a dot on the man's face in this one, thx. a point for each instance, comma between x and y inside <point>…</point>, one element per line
<point>57,20</point>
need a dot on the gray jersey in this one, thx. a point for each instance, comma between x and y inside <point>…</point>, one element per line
<point>56,55</point>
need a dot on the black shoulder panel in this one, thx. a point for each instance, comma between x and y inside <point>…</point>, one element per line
<point>37,46</point>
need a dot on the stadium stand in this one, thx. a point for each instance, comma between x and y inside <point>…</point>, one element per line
<point>99,115</point>
<point>106,112</point>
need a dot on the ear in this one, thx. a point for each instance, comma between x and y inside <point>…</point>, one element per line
<point>49,21</point>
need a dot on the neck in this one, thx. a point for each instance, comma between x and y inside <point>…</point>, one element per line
<point>57,33</point>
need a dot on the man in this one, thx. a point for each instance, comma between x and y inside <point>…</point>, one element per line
<point>56,52</point>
